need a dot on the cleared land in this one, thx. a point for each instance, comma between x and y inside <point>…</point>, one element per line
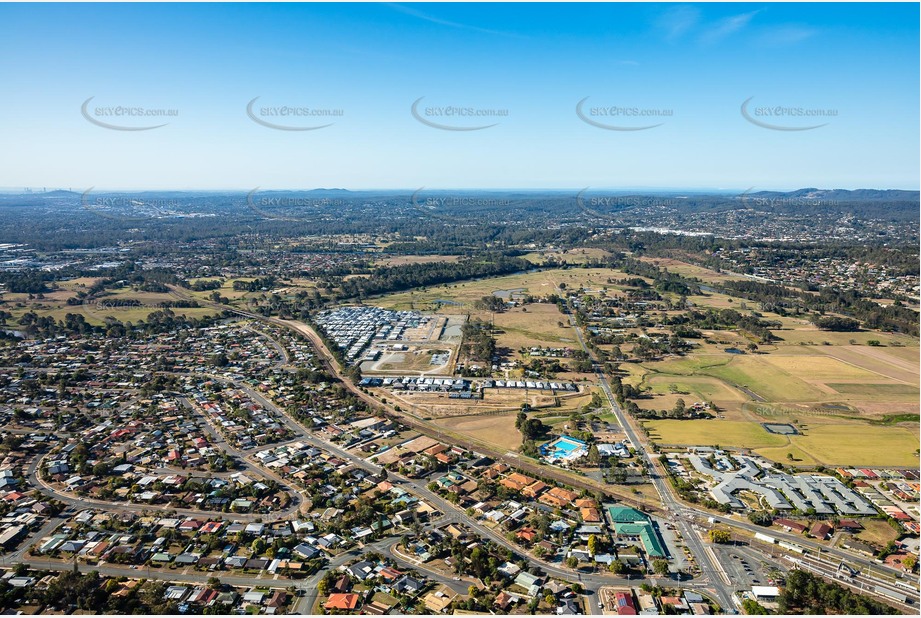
<point>829,443</point>
<point>125,304</point>
<point>834,386</point>
<point>710,432</point>
<point>402,260</point>
<point>497,430</point>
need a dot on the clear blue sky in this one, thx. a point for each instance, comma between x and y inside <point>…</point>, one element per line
<point>372,61</point>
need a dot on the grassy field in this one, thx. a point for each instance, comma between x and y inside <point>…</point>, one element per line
<point>827,442</point>
<point>690,270</point>
<point>877,532</point>
<point>496,430</point>
<point>700,387</point>
<point>709,432</point>
<point>114,304</point>
<point>886,391</point>
<point>536,325</point>
<point>818,367</point>
<point>834,385</point>
<point>467,293</point>
<point>749,371</point>
<point>402,260</point>
<point>860,444</point>
<point>574,256</point>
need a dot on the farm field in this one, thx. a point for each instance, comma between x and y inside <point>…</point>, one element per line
<point>498,430</point>
<point>885,391</point>
<point>537,283</point>
<point>125,304</point>
<point>536,325</point>
<point>833,384</point>
<point>752,372</point>
<point>860,444</point>
<point>700,387</point>
<point>691,270</point>
<point>402,260</point>
<point>710,432</point>
<point>842,443</point>
<point>573,256</point>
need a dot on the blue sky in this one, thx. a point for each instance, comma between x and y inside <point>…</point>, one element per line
<point>698,63</point>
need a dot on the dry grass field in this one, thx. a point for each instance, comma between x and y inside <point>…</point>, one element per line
<point>402,260</point>
<point>496,430</point>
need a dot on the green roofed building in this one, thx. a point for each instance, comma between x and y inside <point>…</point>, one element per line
<point>626,515</point>
<point>635,525</point>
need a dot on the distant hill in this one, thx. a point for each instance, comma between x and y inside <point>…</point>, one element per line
<point>842,195</point>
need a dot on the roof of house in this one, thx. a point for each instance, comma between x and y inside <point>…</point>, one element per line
<point>342,600</point>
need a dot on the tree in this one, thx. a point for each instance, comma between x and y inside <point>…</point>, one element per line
<point>753,607</point>
<point>720,536</point>
<point>594,457</point>
<point>679,408</point>
<point>761,518</point>
<point>592,544</point>
<point>572,562</point>
<point>660,566</point>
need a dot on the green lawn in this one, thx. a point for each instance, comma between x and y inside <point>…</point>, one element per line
<point>709,432</point>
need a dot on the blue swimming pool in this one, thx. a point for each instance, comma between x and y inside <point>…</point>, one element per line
<point>564,447</point>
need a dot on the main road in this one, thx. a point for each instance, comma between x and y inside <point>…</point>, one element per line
<point>707,561</point>
<point>681,515</point>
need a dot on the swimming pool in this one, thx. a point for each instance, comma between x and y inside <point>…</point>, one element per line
<point>564,448</point>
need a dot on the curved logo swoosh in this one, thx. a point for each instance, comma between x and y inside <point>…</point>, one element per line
<point>444,127</point>
<point>743,197</point>
<point>580,202</point>
<point>430,211</point>
<point>84,202</point>
<point>773,127</point>
<point>279,127</point>
<point>252,206</point>
<point>114,127</point>
<point>307,204</point>
<point>608,127</point>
